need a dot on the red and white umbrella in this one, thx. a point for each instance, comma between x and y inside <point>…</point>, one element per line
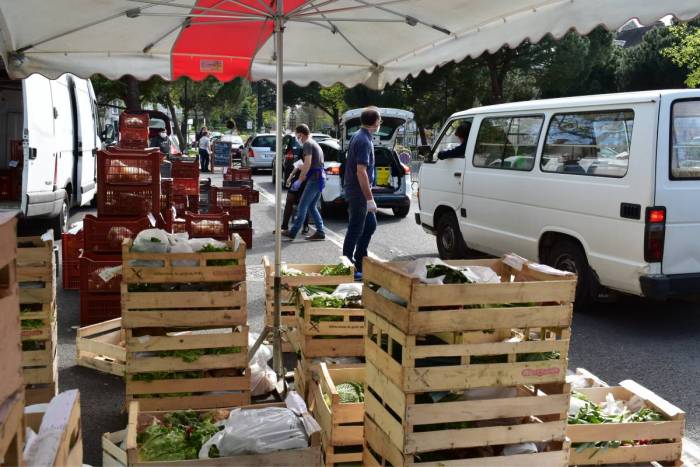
<point>347,41</point>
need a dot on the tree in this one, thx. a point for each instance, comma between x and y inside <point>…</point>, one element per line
<point>686,52</point>
<point>330,100</point>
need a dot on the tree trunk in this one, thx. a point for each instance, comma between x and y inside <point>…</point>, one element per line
<point>173,120</point>
<point>423,137</point>
<point>185,143</point>
<point>496,81</point>
<point>132,98</point>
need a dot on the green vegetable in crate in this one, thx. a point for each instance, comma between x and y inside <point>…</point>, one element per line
<point>192,355</point>
<point>337,270</point>
<point>157,375</point>
<point>452,276</point>
<point>32,323</point>
<point>179,436</point>
<point>209,248</point>
<point>350,393</point>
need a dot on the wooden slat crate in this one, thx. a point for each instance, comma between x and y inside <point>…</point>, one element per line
<point>8,244</point>
<point>320,335</point>
<point>11,379</point>
<point>533,299</point>
<point>102,347</point>
<point>151,268</point>
<point>12,430</point>
<point>288,309</point>
<point>36,270</point>
<point>138,419</point>
<point>341,423</point>
<point>662,440</point>
<point>70,447</point>
<point>219,380</point>
<point>39,352</point>
<point>308,369</point>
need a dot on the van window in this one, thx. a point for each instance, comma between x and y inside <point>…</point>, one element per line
<point>448,139</point>
<point>589,143</point>
<point>685,140</point>
<point>508,142</point>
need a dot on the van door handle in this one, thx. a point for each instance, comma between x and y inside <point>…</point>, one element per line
<point>457,174</point>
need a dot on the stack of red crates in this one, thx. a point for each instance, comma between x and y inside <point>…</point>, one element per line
<point>235,201</point>
<point>71,245</point>
<point>128,201</point>
<point>185,186</point>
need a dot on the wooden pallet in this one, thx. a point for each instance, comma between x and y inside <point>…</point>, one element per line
<point>101,347</point>
<point>138,419</point>
<point>666,437</point>
<point>379,452</point>
<point>224,383</point>
<point>70,447</point>
<point>36,270</point>
<point>12,430</point>
<point>171,268</point>
<point>534,299</point>
<point>341,424</point>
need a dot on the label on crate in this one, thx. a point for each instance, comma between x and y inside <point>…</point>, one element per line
<point>528,372</point>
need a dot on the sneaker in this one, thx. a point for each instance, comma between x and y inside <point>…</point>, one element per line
<point>285,233</point>
<point>305,230</point>
<point>316,237</point>
<point>358,276</point>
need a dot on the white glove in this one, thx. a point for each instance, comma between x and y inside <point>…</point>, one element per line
<point>371,206</point>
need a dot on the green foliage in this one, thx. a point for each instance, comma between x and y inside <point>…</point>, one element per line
<point>179,436</point>
<point>338,270</point>
<point>350,392</point>
<point>686,52</point>
<point>644,67</point>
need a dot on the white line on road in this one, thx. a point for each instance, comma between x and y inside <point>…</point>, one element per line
<point>331,236</point>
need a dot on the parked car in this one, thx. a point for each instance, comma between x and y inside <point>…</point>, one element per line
<point>320,137</point>
<point>259,152</point>
<point>49,142</point>
<point>392,180</point>
<point>604,186</point>
<point>236,145</point>
<point>292,152</point>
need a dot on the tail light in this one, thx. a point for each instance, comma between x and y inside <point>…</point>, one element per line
<point>406,169</point>
<point>335,170</point>
<point>251,153</point>
<point>654,234</point>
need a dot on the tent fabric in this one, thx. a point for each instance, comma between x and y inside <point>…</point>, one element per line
<point>374,42</point>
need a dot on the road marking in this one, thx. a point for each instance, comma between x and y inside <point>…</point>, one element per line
<point>333,237</point>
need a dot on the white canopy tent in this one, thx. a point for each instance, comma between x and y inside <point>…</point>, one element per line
<point>373,42</point>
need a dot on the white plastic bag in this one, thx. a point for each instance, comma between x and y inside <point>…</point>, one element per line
<point>258,431</point>
<point>478,274</point>
<point>263,379</point>
<point>343,291</point>
<point>520,448</point>
<point>198,243</point>
<point>151,241</point>
<point>182,246</point>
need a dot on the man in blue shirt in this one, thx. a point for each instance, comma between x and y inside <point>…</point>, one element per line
<point>359,176</point>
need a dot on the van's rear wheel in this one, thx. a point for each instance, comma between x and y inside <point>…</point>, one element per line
<point>59,223</point>
<point>450,243</point>
<point>567,255</point>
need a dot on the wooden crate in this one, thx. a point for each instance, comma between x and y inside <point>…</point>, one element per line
<point>308,370</point>
<point>310,456</point>
<point>379,451</point>
<point>152,268</point>
<point>591,380</point>
<point>11,379</point>
<point>664,438</point>
<point>407,419</point>
<point>12,430</point>
<point>533,299</point>
<point>317,337</point>
<point>40,361</point>
<point>70,445</point>
<point>36,270</point>
<point>341,424</point>
<point>288,309</point>
<point>8,245</point>
<point>226,382</point>
<point>112,454</point>
<point>102,347</point>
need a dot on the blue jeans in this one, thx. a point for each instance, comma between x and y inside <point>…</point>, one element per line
<point>204,159</point>
<point>308,202</point>
<point>361,226</point>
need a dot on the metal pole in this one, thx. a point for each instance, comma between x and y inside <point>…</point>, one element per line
<point>277,338</point>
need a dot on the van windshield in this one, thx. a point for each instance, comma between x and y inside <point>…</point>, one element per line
<point>685,140</point>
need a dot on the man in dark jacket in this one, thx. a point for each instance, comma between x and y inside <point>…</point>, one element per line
<point>461,132</point>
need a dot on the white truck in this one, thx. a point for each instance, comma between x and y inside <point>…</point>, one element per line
<point>48,144</point>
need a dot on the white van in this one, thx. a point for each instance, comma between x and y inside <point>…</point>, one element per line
<point>48,143</point>
<point>606,186</point>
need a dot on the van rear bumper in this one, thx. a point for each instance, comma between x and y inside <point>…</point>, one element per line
<point>661,286</point>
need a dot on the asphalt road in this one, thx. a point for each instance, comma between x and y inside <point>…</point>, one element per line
<point>652,343</point>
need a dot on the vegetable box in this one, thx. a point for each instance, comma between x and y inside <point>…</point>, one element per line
<point>39,351</point>
<point>70,444</point>
<point>341,421</point>
<point>36,270</point>
<point>12,429</point>
<point>101,347</point>
<point>648,441</point>
<point>113,455</point>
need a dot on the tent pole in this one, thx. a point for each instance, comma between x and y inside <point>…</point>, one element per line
<point>277,338</point>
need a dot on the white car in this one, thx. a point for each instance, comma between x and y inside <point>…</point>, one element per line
<point>259,153</point>
<point>392,180</point>
<point>318,137</point>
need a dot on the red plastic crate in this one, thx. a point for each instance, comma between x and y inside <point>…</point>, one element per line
<point>235,175</point>
<point>71,244</point>
<point>166,193</point>
<point>90,268</point>
<point>99,307</point>
<point>235,201</point>
<point>105,236</point>
<point>116,167</point>
<point>184,169</point>
<point>185,186</point>
<point>246,233</point>
<point>10,184</point>
<point>127,201</point>
<point>133,129</point>
<point>179,226</point>
<point>207,225</point>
